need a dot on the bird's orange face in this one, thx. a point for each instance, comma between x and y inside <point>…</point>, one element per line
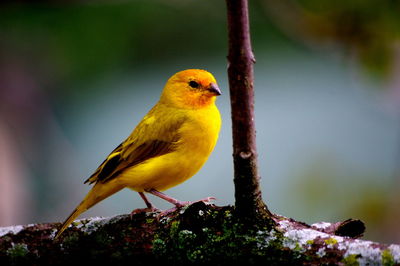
<point>191,89</point>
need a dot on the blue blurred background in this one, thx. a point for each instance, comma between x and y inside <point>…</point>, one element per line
<point>76,78</point>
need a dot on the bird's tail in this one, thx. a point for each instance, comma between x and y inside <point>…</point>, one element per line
<point>96,194</point>
<point>69,220</point>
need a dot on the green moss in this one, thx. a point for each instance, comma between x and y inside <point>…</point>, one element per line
<point>71,241</point>
<point>387,258</point>
<point>351,260</point>
<point>310,242</point>
<point>103,239</point>
<point>174,229</point>
<point>76,223</point>
<point>330,241</point>
<point>298,248</point>
<point>216,237</point>
<point>18,251</point>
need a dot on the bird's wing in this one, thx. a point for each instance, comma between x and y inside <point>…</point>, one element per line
<point>151,138</point>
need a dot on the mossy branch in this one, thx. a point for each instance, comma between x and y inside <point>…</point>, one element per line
<point>197,234</point>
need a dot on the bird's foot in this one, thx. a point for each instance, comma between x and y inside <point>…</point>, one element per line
<point>166,212</point>
<point>181,204</point>
<point>207,200</point>
<point>145,210</point>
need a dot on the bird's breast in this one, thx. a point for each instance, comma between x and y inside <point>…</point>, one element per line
<point>200,133</point>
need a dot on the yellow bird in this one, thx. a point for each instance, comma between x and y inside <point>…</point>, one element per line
<point>169,145</point>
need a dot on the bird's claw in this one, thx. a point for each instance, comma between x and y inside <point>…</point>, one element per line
<point>207,200</point>
<point>181,204</point>
<point>145,210</point>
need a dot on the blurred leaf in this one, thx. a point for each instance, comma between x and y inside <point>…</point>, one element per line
<point>368,29</point>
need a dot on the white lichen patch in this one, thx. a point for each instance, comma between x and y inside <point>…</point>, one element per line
<point>302,239</point>
<point>165,220</point>
<point>10,229</point>
<point>265,238</point>
<point>299,239</point>
<point>366,251</point>
<point>186,232</point>
<point>303,236</point>
<point>92,224</point>
<point>321,225</point>
<point>285,225</point>
<point>321,252</point>
<point>53,233</point>
<point>395,250</point>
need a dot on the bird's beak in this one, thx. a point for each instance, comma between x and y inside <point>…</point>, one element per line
<point>213,88</point>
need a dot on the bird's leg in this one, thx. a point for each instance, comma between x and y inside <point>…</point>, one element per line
<point>146,200</point>
<point>176,202</point>
<point>150,206</point>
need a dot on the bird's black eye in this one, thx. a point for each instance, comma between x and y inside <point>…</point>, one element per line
<point>193,84</point>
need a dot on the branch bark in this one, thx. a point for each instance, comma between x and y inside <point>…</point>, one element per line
<point>248,200</point>
<point>198,234</point>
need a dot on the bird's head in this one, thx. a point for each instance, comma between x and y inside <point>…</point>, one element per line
<point>191,89</point>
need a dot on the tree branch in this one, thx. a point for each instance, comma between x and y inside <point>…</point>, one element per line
<point>248,200</point>
<point>197,234</point>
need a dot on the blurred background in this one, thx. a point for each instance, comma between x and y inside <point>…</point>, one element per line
<point>76,77</point>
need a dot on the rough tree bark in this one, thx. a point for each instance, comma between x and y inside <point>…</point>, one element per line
<point>248,201</point>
